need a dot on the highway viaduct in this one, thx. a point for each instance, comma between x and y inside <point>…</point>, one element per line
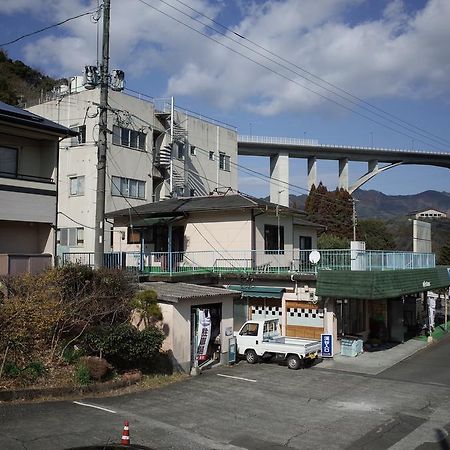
<point>280,150</point>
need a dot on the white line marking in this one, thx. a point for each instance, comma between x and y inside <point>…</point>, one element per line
<point>96,407</point>
<point>237,378</point>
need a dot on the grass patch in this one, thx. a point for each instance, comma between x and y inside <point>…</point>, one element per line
<point>156,381</point>
<point>438,333</point>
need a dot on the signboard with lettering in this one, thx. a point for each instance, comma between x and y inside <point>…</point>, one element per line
<point>232,350</point>
<point>327,345</point>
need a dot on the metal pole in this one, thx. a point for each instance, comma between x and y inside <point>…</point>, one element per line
<point>102,143</point>
<point>446,309</point>
<point>172,111</point>
<point>354,219</point>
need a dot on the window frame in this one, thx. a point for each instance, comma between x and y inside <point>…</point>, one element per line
<point>122,187</point>
<point>15,173</point>
<point>133,232</point>
<point>80,190</point>
<point>224,162</point>
<point>129,138</point>
<point>271,240</point>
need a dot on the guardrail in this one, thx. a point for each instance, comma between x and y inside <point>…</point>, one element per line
<point>277,140</point>
<point>259,261</point>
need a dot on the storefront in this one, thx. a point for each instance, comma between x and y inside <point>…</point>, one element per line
<point>380,306</point>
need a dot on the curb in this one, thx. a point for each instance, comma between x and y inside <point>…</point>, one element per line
<point>33,393</point>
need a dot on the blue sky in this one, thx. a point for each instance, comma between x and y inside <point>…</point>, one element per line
<point>391,54</point>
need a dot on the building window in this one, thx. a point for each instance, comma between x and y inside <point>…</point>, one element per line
<point>273,239</point>
<point>180,150</point>
<point>192,150</point>
<point>224,162</point>
<point>211,156</point>
<point>128,138</point>
<point>305,243</point>
<point>133,236</point>
<point>127,187</point>
<point>81,137</point>
<point>76,185</point>
<point>8,162</point>
<point>70,237</point>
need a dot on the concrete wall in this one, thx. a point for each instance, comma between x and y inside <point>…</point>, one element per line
<point>177,320</point>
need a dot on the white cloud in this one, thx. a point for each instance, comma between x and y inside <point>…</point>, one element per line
<point>396,54</point>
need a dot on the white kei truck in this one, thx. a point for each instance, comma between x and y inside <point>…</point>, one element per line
<point>261,339</point>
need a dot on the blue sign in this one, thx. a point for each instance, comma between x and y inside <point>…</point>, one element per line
<point>327,345</point>
<point>448,272</point>
<point>232,350</point>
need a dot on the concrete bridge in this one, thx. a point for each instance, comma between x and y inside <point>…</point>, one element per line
<point>279,150</point>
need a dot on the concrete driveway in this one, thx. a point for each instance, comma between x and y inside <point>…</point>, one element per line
<point>264,406</point>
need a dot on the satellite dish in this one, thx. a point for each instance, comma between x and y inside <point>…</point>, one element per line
<point>314,257</point>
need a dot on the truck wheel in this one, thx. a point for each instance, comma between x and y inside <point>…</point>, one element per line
<point>294,362</point>
<point>251,356</point>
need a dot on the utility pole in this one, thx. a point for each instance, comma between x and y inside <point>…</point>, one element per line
<point>102,143</point>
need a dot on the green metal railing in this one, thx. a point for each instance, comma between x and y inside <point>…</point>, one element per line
<point>259,261</point>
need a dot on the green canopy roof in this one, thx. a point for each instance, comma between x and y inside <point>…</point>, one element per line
<point>258,291</point>
<point>380,284</point>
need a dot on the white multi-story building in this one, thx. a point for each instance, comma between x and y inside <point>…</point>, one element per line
<point>155,151</point>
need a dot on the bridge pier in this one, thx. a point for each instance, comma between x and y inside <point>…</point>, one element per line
<point>279,178</point>
<point>343,174</point>
<point>312,172</point>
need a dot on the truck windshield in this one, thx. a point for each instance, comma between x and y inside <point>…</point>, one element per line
<point>250,329</point>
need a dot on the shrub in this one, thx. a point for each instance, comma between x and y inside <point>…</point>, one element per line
<point>33,371</point>
<point>11,369</point>
<point>71,354</point>
<point>125,346</point>
<point>82,375</point>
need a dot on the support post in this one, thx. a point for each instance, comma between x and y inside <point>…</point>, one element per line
<point>102,144</point>
<point>312,172</point>
<point>279,179</point>
<point>343,174</point>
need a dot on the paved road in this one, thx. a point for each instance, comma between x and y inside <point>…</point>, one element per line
<point>256,407</point>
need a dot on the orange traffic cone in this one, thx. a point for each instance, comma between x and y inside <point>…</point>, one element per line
<point>125,434</point>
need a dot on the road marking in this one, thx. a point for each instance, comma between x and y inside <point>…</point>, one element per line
<point>236,378</point>
<point>96,407</point>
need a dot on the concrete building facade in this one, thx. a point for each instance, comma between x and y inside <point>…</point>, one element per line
<point>155,151</point>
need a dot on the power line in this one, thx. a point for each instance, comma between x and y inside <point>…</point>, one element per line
<point>50,26</point>
<point>349,94</point>
<point>285,76</point>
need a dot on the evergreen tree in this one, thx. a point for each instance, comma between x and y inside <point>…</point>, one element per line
<point>332,209</point>
<point>375,234</point>
<point>444,255</point>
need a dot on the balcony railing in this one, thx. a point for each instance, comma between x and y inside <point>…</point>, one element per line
<point>259,261</point>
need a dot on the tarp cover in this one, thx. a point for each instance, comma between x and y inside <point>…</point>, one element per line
<point>379,284</point>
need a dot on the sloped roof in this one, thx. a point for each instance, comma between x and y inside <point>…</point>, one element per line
<point>174,292</point>
<point>184,205</point>
<point>13,115</point>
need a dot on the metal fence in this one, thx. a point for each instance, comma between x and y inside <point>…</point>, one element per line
<point>259,261</point>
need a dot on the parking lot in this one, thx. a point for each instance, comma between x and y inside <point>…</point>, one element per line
<point>262,406</point>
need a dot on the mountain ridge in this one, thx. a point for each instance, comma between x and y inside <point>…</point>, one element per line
<point>376,204</point>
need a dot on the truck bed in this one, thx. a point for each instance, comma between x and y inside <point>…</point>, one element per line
<point>290,345</point>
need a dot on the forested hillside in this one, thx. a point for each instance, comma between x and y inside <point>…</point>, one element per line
<point>20,83</point>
